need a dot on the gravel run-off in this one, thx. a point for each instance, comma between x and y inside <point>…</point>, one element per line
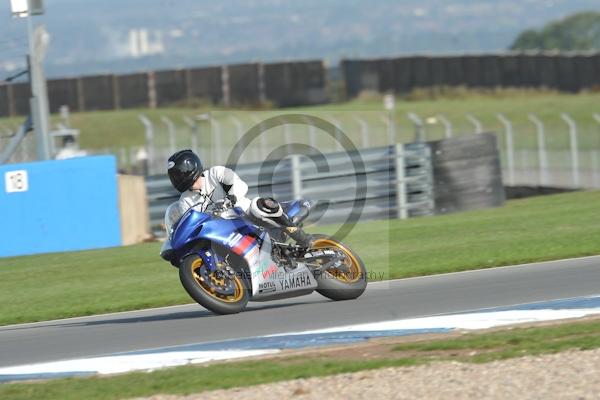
<point>566,375</point>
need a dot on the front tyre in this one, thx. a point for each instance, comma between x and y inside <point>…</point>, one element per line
<point>336,284</point>
<point>218,291</point>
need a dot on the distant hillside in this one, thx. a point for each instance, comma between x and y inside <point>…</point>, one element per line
<point>580,31</point>
<point>119,36</point>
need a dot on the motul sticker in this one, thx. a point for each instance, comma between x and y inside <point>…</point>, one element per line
<point>266,287</point>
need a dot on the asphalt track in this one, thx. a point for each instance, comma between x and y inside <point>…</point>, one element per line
<point>398,299</point>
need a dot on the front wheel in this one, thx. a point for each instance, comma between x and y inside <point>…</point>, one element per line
<point>220,291</point>
<point>338,284</point>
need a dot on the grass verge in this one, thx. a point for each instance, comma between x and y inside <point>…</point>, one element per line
<point>121,128</point>
<point>473,347</point>
<point>50,286</point>
<point>505,344</point>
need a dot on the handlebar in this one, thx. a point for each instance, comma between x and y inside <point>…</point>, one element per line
<point>221,206</point>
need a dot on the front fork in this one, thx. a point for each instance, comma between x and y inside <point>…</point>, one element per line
<point>209,258</point>
<point>217,277</point>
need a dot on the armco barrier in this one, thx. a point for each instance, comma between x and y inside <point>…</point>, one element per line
<point>405,180</point>
<point>398,183</point>
<point>55,206</point>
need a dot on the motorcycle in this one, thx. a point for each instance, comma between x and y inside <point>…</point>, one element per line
<point>225,260</point>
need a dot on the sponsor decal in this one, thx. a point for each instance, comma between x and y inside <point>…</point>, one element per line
<point>233,239</point>
<point>295,282</point>
<point>265,263</point>
<point>319,253</point>
<point>269,271</point>
<point>252,254</point>
<point>267,287</point>
<point>240,244</point>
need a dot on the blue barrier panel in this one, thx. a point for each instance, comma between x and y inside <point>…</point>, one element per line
<point>54,206</point>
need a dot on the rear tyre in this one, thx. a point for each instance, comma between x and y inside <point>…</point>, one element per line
<point>340,285</point>
<point>205,287</point>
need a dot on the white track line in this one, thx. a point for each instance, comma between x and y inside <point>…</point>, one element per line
<point>121,363</point>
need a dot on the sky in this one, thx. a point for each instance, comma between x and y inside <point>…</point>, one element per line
<point>133,35</point>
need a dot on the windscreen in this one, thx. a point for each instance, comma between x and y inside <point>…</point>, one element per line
<point>172,216</point>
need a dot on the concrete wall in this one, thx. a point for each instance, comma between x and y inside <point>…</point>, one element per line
<point>170,87</point>
<point>21,94</point>
<point>97,93</point>
<point>305,82</point>
<point>565,72</point>
<point>284,84</point>
<point>205,84</point>
<point>63,92</point>
<point>133,90</point>
<point>44,211</point>
<point>4,101</point>
<point>243,85</point>
<point>133,209</point>
<point>294,84</point>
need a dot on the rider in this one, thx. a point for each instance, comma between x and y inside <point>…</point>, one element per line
<point>199,188</point>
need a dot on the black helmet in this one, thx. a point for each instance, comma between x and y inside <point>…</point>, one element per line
<point>184,167</point>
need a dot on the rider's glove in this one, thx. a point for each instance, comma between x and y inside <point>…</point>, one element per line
<point>232,198</point>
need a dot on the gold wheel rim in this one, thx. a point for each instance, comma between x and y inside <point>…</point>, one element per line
<point>238,294</point>
<point>354,274</point>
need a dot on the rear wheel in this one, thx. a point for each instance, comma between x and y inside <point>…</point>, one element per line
<point>344,283</point>
<point>221,291</point>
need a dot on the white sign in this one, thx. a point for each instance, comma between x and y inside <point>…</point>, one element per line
<point>20,8</point>
<point>389,102</point>
<point>16,181</point>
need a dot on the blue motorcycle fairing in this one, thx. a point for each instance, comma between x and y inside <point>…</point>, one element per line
<point>187,228</point>
<point>234,233</point>
<point>195,231</point>
<point>297,210</point>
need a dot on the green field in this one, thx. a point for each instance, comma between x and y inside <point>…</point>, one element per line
<point>122,134</point>
<point>473,347</point>
<point>42,287</point>
<point>117,129</point>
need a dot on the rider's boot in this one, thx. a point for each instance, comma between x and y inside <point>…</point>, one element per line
<point>294,231</point>
<point>270,211</point>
